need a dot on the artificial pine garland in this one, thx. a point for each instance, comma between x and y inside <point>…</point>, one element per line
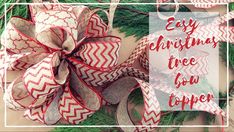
<point>133,21</point>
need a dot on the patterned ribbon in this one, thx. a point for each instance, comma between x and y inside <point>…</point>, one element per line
<point>221,32</point>
<point>205,4</point>
<point>208,3</point>
<point>70,69</point>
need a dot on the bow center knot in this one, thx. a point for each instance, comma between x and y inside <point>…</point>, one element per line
<point>63,54</point>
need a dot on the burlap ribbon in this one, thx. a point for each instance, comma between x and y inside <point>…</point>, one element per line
<point>70,69</point>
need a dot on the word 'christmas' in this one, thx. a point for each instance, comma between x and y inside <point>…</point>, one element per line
<point>188,28</point>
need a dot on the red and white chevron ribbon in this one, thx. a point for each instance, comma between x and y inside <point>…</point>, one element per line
<point>221,33</point>
<point>67,56</point>
<point>208,3</point>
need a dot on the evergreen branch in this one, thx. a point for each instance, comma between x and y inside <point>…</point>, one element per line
<point>10,8</point>
<point>231,89</point>
<point>132,10</point>
<point>223,53</point>
<point>13,10</point>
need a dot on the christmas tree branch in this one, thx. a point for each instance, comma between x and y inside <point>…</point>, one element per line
<point>9,9</point>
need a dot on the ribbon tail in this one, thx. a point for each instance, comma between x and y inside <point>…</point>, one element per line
<point>79,101</point>
<point>48,112</point>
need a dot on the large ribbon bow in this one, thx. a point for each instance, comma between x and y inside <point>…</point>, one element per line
<point>70,68</point>
<point>45,48</point>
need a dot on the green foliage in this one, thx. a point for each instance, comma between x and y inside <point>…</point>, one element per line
<point>223,46</point>
<point>176,129</point>
<point>82,1</point>
<point>231,6</point>
<point>223,102</point>
<point>18,10</point>
<point>231,89</point>
<point>178,117</point>
<point>206,129</point>
<point>100,117</point>
<point>209,118</point>
<point>223,53</point>
<point>133,20</point>
<point>133,23</point>
<point>167,119</point>
<point>136,114</point>
<point>136,97</point>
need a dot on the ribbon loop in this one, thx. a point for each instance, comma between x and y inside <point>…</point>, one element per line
<point>100,52</point>
<point>18,98</point>
<point>78,100</point>
<point>48,112</point>
<point>63,19</point>
<point>13,62</point>
<point>47,19</point>
<point>221,33</point>
<point>151,115</point>
<point>13,99</point>
<point>40,79</point>
<point>96,26</point>
<point>23,61</point>
<point>19,37</point>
